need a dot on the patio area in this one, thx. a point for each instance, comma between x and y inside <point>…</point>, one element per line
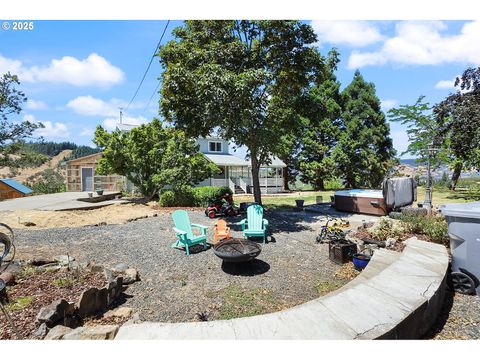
<point>291,269</point>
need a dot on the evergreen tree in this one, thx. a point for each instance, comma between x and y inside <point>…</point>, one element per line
<point>321,131</point>
<point>364,151</point>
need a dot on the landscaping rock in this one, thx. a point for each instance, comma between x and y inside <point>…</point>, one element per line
<point>14,267</point>
<point>64,259</point>
<point>122,312</point>
<point>114,288</point>
<point>95,268</point>
<point>55,312</point>
<point>41,331</point>
<point>120,268</point>
<point>8,278</point>
<point>71,321</point>
<point>92,301</point>
<point>414,211</point>
<point>58,332</point>
<point>101,332</point>
<point>40,261</point>
<point>390,242</point>
<point>134,320</point>
<point>130,276</point>
<point>50,267</point>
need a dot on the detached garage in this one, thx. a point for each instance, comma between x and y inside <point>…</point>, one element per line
<point>11,189</point>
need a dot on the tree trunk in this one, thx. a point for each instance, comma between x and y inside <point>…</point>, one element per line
<point>456,175</point>
<point>257,195</point>
<point>286,178</point>
<point>319,184</point>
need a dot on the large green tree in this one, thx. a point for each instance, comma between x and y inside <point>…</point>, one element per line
<point>321,130</point>
<point>364,151</point>
<point>245,79</point>
<point>13,133</point>
<point>422,131</point>
<point>152,156</point>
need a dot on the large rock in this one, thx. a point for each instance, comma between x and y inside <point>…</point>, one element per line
<point>55,312</point>
<point>115,288</point>
<point>122,312</point>
<point>8,278</point>
<point>101,332</point>
<point>120,268</point>
<point>58,332</point>
<point>41,331</point>
<point>64,259</point>
<point>40,261</point>
<point>92,301</point>
<point>130,276</point>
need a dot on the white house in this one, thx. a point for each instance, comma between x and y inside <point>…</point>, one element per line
<point>236,171</point>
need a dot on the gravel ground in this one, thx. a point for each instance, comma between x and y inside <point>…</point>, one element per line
<point>290,270</point>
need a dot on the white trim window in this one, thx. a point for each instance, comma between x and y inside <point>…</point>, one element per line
<point>215,146</point>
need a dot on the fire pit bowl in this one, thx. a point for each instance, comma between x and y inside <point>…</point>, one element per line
<point>237,250</point>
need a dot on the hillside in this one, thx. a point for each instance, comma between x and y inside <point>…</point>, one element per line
<point>27,172</point>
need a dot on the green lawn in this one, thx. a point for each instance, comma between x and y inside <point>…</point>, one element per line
<point>287,201</point>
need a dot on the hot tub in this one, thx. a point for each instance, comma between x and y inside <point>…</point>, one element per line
<point>363,201</point>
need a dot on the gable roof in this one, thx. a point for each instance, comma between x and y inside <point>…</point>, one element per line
<point>17,186</point>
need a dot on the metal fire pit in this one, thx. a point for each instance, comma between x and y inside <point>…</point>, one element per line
<point>237,250</point>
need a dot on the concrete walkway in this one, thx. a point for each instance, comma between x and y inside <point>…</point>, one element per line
<point>398,296</point>
<point>58,201</point>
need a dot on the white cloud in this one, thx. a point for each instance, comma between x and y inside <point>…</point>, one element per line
<point>111,123</point>
<point>94,70</point>
<point>50,130</point>
<point>351,33</point>
<point>36,105</point>
<point>445,84</point>
<point>91,106</point>
<point>423,43</point>
<point>400,141</point>
<point>387,104</point>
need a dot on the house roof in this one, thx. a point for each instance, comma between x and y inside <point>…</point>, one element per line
<point>17,186</point>
<point>232,160</point>
<point>84,157</point>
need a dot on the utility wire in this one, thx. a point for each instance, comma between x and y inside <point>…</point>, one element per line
<point>151,97</point>
<point>149,64</point>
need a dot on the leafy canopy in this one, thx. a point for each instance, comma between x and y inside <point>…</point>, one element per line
<point>245,79</point>
<point>152,157</point>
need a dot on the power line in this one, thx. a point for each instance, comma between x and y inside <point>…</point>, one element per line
<point>151,97</point>
<point>148,67</point>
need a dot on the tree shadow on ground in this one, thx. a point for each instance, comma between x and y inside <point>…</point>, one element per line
<point>249,268</point>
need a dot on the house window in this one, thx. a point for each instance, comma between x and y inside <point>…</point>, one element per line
<point>215,146</point>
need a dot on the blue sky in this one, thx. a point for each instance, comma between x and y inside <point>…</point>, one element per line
<point>76,74</point>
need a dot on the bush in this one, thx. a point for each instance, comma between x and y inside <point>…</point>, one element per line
<point>205,195</point>
<point>178,197</point>
<point>187,196</point>
<point>46,182</point>
<point>435,227</point>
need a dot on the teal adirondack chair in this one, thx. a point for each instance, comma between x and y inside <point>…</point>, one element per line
<point>183,230</point>
<point>254,225</point>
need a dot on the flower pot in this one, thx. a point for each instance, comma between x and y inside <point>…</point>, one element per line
<point>99,192</point>
<point>299,203</point>
<point>90,195</point>
<point>360,261</point>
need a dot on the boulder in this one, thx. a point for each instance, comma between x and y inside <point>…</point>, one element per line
<point>95,268</point>
<point>92,301</point>
<point>120,268</point>
<point>58,332</point>
<point>114,288</point>
<point>40,261</point>
<point>130,276</point>
<point>41,331</point>
<point>64,259</point>
<point>55,312</point>
<point>100,332</point>
<point>50,267</point>
<point>8,278</point>
<point>122,312</point>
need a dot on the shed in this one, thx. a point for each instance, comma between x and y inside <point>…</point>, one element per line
<point>11,189</point>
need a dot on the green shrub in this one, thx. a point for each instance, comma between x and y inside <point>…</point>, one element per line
<point>334,184</point>
<point>206,195</point>
<point>187,196</point>
<point>184,196</point>
<point>435,227</point>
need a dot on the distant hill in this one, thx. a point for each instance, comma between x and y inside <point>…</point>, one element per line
<point>410,162</point>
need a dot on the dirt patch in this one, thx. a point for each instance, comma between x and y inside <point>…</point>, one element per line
<point>35,289</point>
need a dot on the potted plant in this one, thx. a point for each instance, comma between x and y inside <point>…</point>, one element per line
<point>100,192</point>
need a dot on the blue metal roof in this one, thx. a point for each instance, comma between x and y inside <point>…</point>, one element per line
<point>17,186</point>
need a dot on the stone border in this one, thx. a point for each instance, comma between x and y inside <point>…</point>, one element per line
<point>398,296</point>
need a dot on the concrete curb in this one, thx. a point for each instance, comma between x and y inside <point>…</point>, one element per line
<point>398,296</point>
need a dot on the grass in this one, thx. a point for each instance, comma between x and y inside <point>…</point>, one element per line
<point>64,282</point>
<point>444,196</point>
<point>19,303</point>
<point>240,302</point>
<point>287,201</point>
<point>324,287</point>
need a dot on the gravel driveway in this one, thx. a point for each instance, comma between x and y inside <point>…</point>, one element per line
<point>290,270</point>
